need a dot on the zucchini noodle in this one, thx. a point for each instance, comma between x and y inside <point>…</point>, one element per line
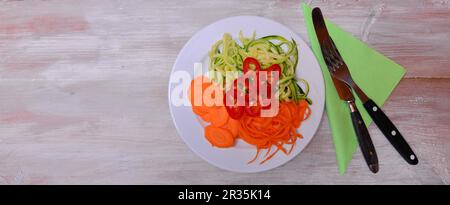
<point>228,55</point>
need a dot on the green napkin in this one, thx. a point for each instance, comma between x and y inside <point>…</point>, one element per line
<point>374,73</point>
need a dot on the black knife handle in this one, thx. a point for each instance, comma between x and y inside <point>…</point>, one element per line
<point>391,132</point>
<point>364,140</point>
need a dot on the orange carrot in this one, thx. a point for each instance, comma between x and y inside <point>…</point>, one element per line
<point>232,126</point>
<point>202,94</point>
<point>218,117</point>
<point>274,131</point>
<point>194,92</point>
<point>219,137</point>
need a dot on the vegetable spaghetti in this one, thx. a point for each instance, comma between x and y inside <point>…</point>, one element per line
<point>228,55</point>
<point>230,122</point>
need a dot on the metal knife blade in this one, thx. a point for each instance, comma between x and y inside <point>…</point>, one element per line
<point>342,89</point>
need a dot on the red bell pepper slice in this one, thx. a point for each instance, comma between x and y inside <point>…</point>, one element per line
<point>249,61</point>
<point>235,111</point>
<point>252,107</point>
<point>273,68</point>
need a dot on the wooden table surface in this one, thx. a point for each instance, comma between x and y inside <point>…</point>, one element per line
<point>83,89</point>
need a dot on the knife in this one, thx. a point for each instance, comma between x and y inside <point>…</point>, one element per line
<point>345,94</point>
<point>340,71</point>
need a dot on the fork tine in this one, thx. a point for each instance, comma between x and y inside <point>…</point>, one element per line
<point>333,58</point>
<point>327,54</point>
<point>336,53</point>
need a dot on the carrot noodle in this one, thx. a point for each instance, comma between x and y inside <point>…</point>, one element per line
<point>268,151</point>
<point>256,156</point>
<point>278,131</point>
<point>269,157</point>
<point>290,149</point>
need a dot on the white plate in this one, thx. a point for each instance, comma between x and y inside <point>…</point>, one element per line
<point>187,123</point>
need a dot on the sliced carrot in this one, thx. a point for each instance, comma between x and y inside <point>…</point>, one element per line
<point>196,88</point>
<point>232,126</point>
<point>195,94</point>
<point>219,137</point>
<point>203,92</point>
<point>212,95</point>
<point>218,117</point>
<point>205,97</point>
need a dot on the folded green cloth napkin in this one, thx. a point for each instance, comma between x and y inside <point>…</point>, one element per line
<point>374,73</point>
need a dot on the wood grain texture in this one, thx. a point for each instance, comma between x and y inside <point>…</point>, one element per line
<point>84,91</point>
